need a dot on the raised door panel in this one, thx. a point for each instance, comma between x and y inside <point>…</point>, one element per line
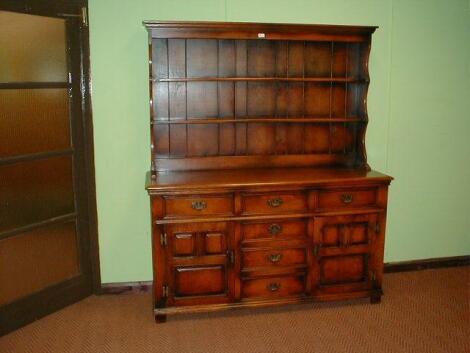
<point>184,244</point>
<point>191,243</point>
<point>344,269</point>
<point>199,263</point>
<point>199,281</point>
<point>343,249</point>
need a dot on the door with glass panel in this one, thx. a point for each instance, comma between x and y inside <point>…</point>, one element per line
<point>45,259</point>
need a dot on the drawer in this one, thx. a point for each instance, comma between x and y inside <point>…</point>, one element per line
<point>183,206</point>
<point>273,257</point>
<point>347,198</point>
<point>274,229</point>
<point>273,286</point>
<point>274,203</point>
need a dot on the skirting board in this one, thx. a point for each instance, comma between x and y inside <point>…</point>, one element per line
<point>425,264</point>
<point>415,265</point>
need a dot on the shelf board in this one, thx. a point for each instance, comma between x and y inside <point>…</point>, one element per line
<point>244,120</point>
<point>268,79</point>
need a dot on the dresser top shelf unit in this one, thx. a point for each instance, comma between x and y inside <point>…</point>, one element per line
<point>246,95</point>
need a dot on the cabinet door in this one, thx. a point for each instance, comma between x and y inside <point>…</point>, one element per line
<point>343,249</point>
<point>200,263</point>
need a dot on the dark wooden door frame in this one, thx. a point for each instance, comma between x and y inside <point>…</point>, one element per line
<point>53,298</point>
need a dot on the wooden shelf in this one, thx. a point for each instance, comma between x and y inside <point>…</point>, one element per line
<point>263,79</point>
<point>244,120</point>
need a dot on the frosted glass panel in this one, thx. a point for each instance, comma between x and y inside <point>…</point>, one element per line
<point>34,191</point>
<point>37,259</point>
<point>32,48</point>
<point>34,121</point>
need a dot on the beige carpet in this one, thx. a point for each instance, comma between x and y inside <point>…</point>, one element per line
<point>425,311</point>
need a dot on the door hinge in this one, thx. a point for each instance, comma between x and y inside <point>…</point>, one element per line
<point>165,291</point>
<point>163,239</point>
<point>231,256</point>
<point>316,250</point>
<point>83,16</point>
<point>377,227</point>
<point>372,276</point>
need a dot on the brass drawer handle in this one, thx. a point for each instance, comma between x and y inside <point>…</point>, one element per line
<point>199,205</point>
<point>274,287</point>
<point>275,202</point>
<point>275,258</point>
<point>275,229</point>
<point>347,198</point>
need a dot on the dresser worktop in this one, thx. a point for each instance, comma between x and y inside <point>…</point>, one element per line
<point>263,177</point>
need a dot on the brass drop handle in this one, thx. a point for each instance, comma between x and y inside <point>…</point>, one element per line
<point>274,287</point>
<point>199,205</point>
<point>275,257</point>
<point>275,202</point>
<point>275,229</point>
<point>347,198</point>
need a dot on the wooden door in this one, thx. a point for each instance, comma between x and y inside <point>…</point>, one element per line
<point>47,212</point>
<point>200,263</point>
<point>343,253</point>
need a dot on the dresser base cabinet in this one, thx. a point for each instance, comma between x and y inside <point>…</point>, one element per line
<point>317,236</point>
<point>259,185</point>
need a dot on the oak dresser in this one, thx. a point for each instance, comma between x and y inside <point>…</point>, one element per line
<point>259,185</point>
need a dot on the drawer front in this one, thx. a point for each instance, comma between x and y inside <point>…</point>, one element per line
<point>274,203</point>
<point>273,287</point>
<point>274,229</point>
<point>347,198</point>
<point>183,206</point>
<point>273,257</point>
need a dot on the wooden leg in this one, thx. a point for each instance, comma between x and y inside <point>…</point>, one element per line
<point>375,298</point>
<point>160,318</point>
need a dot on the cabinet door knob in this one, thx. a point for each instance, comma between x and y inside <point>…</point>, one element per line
<point>275,229</point>
<point>198,205</point>
<point>274,287</point>
<point>275,257</point>
<point>347,198</point>
<point>275,202</point>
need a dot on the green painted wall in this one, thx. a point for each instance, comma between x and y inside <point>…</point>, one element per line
<point>419,108</point>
